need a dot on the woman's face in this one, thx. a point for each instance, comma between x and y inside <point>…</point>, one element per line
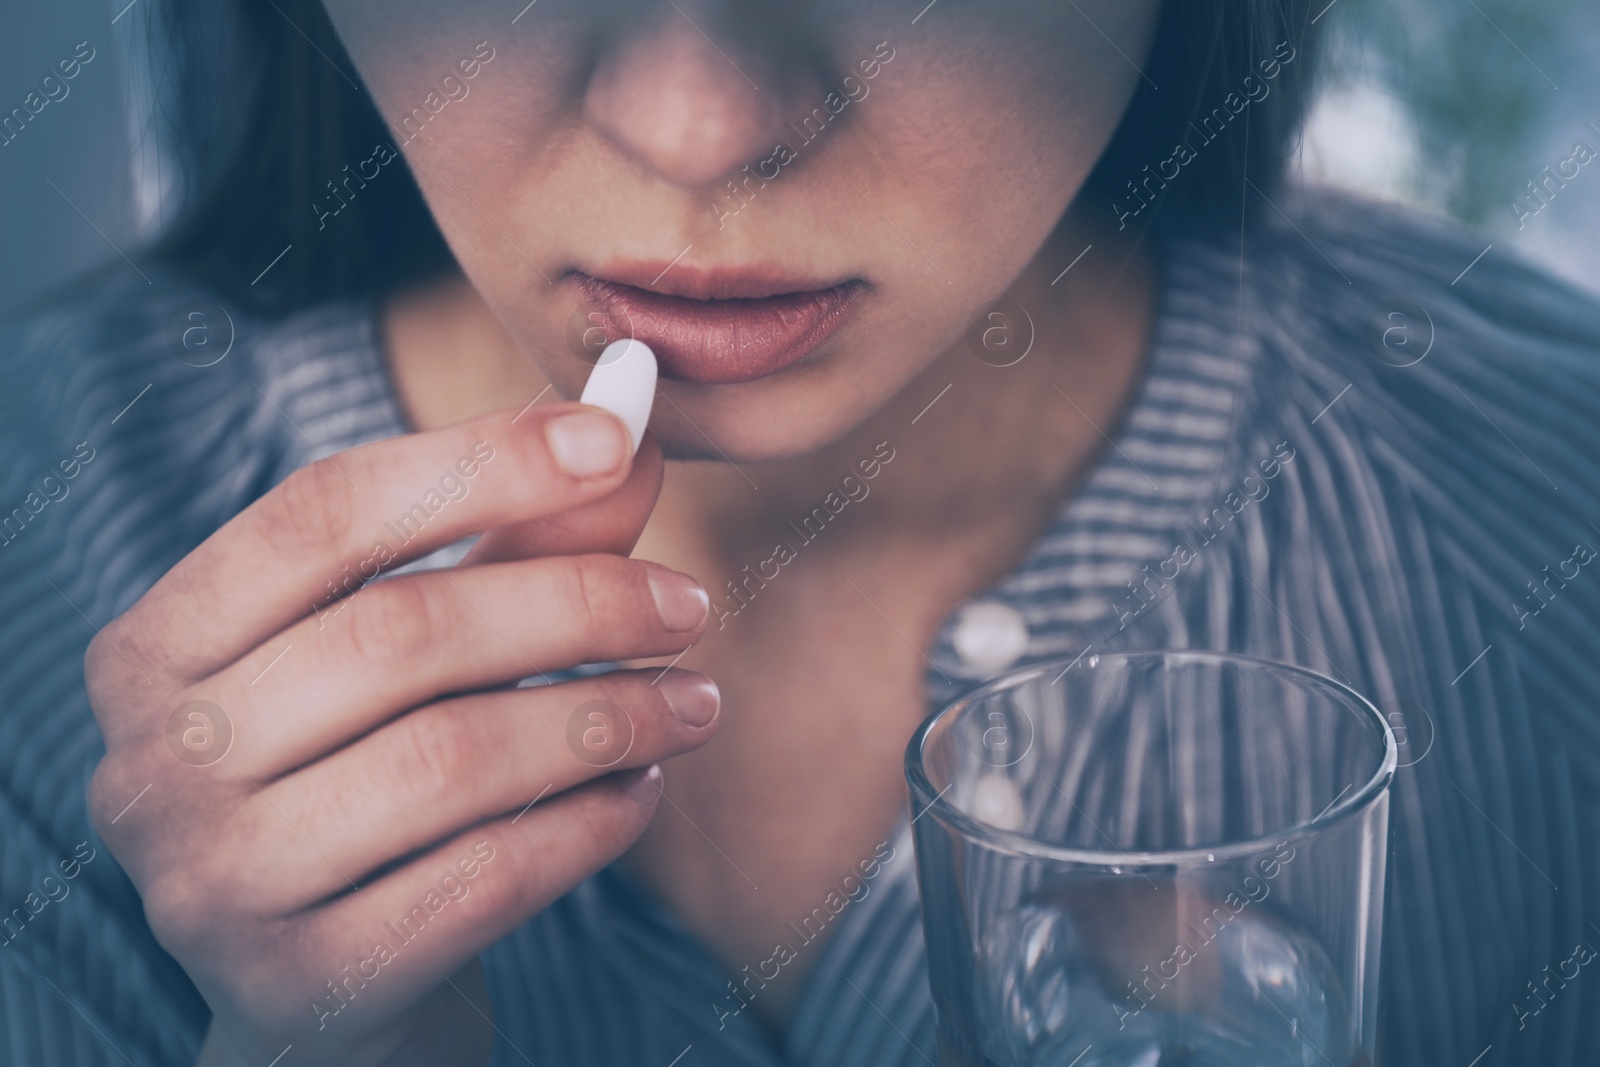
<point>799,206</point>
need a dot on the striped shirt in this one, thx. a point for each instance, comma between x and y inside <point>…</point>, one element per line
<point>1425,539</point>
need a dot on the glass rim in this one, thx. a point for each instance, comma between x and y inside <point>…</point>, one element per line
<point>1025,846</point>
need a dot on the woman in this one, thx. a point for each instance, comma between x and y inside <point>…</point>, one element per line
<point>981,328</point>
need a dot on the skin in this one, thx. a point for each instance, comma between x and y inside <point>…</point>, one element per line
<point>386,736</point>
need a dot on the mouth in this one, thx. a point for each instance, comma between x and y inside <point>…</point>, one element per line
<point>717,327</point>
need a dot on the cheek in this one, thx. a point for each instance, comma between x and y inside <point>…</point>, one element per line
<point>975,140</point>
<point>996,125</point>
<point>492,161</point>
<point>406,50</point>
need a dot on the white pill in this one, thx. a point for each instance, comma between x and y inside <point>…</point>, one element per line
<point>624,383</point>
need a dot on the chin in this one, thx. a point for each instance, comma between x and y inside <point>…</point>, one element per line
<point>767,441</point>
<point>755,422</point>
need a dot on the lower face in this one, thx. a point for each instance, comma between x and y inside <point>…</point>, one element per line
<point>799,210</point>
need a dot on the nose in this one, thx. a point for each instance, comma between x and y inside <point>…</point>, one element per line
<point>691,101</point>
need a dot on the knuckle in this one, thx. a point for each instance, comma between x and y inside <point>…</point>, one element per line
<point>392,622</point>
<point>586,580</point>
<point>179,905</point>
<point>99,670</point>
<point>110,667</point>
<point>583,592</point>
<point>510,882</point>
<point>629,688</point>
<point>313,508</point>
<point>107,789</point>
<point>644,703</point>
<point>97,657</point>
<point>430,756</point>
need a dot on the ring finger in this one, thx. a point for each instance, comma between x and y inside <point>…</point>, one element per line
<point>444,767</point>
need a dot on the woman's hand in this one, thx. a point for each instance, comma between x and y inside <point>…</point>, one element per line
<point>330,808</point>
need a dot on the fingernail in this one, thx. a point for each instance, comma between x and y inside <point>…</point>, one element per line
<point>588,443</point>
<point>680,601</point>
<point>644,786</point>
<point>693,698</point>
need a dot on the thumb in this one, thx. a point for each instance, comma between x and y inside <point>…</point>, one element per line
<point>611,524</point>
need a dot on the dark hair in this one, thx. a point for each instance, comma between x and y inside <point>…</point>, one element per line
<point>1205,56</point>
<point>274,73</point>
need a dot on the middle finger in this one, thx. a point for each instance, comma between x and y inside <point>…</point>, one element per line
<point>402,642</point>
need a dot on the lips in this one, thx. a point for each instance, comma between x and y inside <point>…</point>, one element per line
<point>717,327</point>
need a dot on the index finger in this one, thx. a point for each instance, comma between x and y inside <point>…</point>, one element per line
<point>336,523</point>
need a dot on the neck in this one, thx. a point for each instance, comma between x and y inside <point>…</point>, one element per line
<point>972,445</point>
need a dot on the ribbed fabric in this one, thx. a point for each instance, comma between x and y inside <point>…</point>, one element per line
<point>1392,552</point>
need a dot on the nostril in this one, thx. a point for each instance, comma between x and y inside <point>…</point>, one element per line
<point>689,108</point>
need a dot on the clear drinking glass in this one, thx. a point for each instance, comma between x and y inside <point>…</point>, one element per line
<point>1152,859</point>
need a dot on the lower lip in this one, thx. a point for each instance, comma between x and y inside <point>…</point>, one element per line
<point>719,342</point>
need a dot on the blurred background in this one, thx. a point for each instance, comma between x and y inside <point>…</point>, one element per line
<point>1450,106</point>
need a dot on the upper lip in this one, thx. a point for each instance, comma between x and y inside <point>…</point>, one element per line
<point>709,283</point>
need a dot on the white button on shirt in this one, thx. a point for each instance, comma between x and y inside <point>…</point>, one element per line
<point>996,801</point>
<point>989,636</point>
